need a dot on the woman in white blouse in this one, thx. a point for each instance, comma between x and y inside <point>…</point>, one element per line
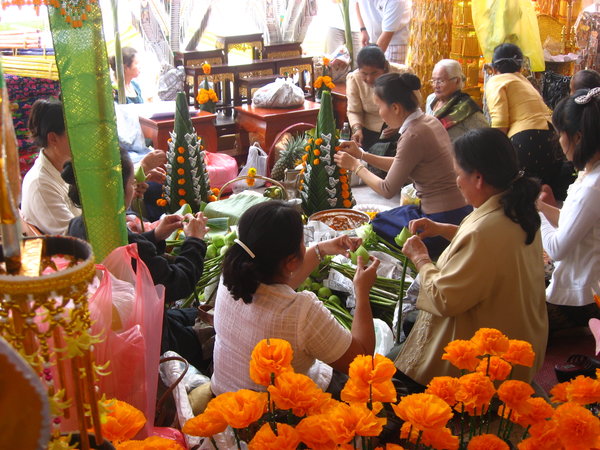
<point>571,235</point>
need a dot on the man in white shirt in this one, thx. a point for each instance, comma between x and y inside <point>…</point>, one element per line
<point>385,23</point>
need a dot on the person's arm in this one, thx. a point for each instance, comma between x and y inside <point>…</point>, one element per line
<point>546,204</point>
<point>497,103</point>
<point>425,228</point>
<point>384,40</point>
<point>354,109</point>
<point>364,36</point>
<point>577,218</point>
<point>352,149</point>
<point>363,330</point>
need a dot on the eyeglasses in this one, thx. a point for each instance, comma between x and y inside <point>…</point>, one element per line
<point>435,83</point>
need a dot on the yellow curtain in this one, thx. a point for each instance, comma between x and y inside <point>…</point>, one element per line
<point>514,21</point>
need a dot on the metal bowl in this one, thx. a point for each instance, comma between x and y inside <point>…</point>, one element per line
<point>341,219</point>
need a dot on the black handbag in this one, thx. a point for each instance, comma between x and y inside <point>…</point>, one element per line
<point>555,87</point>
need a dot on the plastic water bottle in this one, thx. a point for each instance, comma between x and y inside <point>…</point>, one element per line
<point>345,134</point>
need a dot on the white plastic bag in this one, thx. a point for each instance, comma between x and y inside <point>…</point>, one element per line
<point>257,158</point>
<point>279,94</point>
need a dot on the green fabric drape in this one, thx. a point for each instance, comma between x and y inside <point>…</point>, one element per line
<point>90,119</point>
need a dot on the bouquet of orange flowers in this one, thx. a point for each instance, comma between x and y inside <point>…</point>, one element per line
<point>452,413</point>
<point>324,82</point>
<point>207,97</point>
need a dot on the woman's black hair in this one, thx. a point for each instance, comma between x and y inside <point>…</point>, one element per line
<point>570,118</point>
<point>273,231</point>
<point>399,88</point>
<point>585,79</point>
<point>128,54</point>
<point>46,116</point>
<point>490,152</point>
<point>68,175</point>
<point>508,58</point>
<point>371,56</point>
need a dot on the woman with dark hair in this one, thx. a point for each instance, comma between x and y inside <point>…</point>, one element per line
<point>178,275</point>
<point>571,235</point>
<point>45,200</point>
<point>517,109</point>
<point>584,79</point>
<point>423,156</point>
<point>492,273</point>
<point>133,92</point>
<point>257,300</point>
<point>365,122</point>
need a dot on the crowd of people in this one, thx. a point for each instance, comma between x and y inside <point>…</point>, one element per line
<point>493,196</point>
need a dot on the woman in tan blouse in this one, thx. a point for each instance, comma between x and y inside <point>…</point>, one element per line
<point>423,157</point>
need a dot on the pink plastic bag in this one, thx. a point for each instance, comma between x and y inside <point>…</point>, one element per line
<point>133,353</point>
<point>221,168</point>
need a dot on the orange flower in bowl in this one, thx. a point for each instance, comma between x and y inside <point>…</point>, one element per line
<point>241,408</point>
<point>495,368</point>
<point>423,411</point>
<point>462,354</point>
<point>264,439</point>
<point>270,356</point>
<point>297,392</point>
<point>474,393</point>
<point>519,352</point>
<point>490,341</point>
<point>487,442</point>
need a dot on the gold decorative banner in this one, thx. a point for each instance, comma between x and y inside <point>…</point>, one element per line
<point>90,119</point>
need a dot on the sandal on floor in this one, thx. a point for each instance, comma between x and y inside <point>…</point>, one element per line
<point>576,365</point>
<point>581,360</point>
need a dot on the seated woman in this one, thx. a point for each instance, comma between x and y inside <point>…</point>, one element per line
<point>178,275</point>
<point>45,196</point>
<point>457,111</point>
<point>571,235</point>
<point>492,273</point>
<point>365,122</point>
<point>256,299</point>
<point>584,79</point>
<point>133,92</point>
<point>518,109</point>
<point>423,156</point>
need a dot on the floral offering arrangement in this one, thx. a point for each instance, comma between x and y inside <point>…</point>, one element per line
<point>207,97</point>
<point>323,185</point>
<point>324,82</point>
<point>452,413</point>
<point>187,179</point>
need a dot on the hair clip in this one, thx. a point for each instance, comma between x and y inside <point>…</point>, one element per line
<point>585,98</point>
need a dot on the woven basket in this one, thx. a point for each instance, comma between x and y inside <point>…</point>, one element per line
<point>257,177</point>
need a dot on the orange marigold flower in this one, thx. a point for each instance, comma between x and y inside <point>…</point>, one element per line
<point>325,61</point>
<point>495,368</point>
<point>576,426</point>
<point>264,439</point>
<point>161,202</point>
<point>317,152</point>
<point>584,390</point>
<point>515,393</point>
<point>423,411</point>
<point>344,179</point>
<point>345,187</point>
<point>346,421</point>
<point>305,157</point>
<point>390,447</point>
<point>181,150</point>
<point>152,442</point>
<point>297,392</point>
<point>207,424</point>
<point>536,410</point>
<point>347,203</point>
<point>330,85</point>
<point>307,148</point>
<point>212,198</point>
<point>366,421</point>
<point>544,435</point>
<point>215,191</point>
<point>318,142</point>
<point>462,354</point>
<point>122,422</point>
<point>597,299</point>
<point>270,356</point>
<point>206,68</point>
<point>182,202</point>
<point>474,393</point>
<point>201,147</point>
<point>559,393</point>
<point>316,161</point>
<point>519,352</point>
<point>357,391</point>
<point>181,181</point>
<point>445,388</point>
<point>181,192</point>
<point>343,171</point>
<point>337,148</point>
<point>180,159</point>
<point>318,83</point>
<point>241,408</point>
<point>487,442</point>
<point>180,171</point>
<point>490,341</point>
<point>314,432</point>
<point>372,370</point>
<point>250,181</point>
<point>440,438</point>
<point>345,194</point>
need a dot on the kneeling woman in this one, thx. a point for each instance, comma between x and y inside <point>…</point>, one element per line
<point>257,300</point>
<point>492,274</point>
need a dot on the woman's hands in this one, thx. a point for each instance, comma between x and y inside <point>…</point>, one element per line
<point>195,225</point>
<point>153,159</point>
<point>167,225</point>
<point>365,276</point>
<point>351,148</point>
<point>546,196</point>
<point>416,251</point>
<point>424,227</point>
<point>140,189</point>
<point>340,245</point>
<point>357,136</point>
<point>158,175</point>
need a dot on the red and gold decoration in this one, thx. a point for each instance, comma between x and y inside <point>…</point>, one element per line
<point>465,47</point>
<point>75,12</point>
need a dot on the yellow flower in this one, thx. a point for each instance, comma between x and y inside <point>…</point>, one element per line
<point>270,357</point>
<point>423,411</point>
<point>462,354</point>
<point>206,68</point>
<point>264,439</point>
<point>241,408</point>
<point>490,341</point>
<point>297,392</point>
<point>251,172</point>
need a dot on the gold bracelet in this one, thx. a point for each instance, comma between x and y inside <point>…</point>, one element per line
<point>358,169</point>
<point>318,253</point>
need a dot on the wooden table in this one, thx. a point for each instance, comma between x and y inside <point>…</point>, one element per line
<point>340,104</point>
<point>266,123</point>
<point>158,130</point>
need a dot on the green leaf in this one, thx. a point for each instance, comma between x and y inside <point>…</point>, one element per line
<point>360,251</point>
<point>140,176</point>
<point>402,237</point>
